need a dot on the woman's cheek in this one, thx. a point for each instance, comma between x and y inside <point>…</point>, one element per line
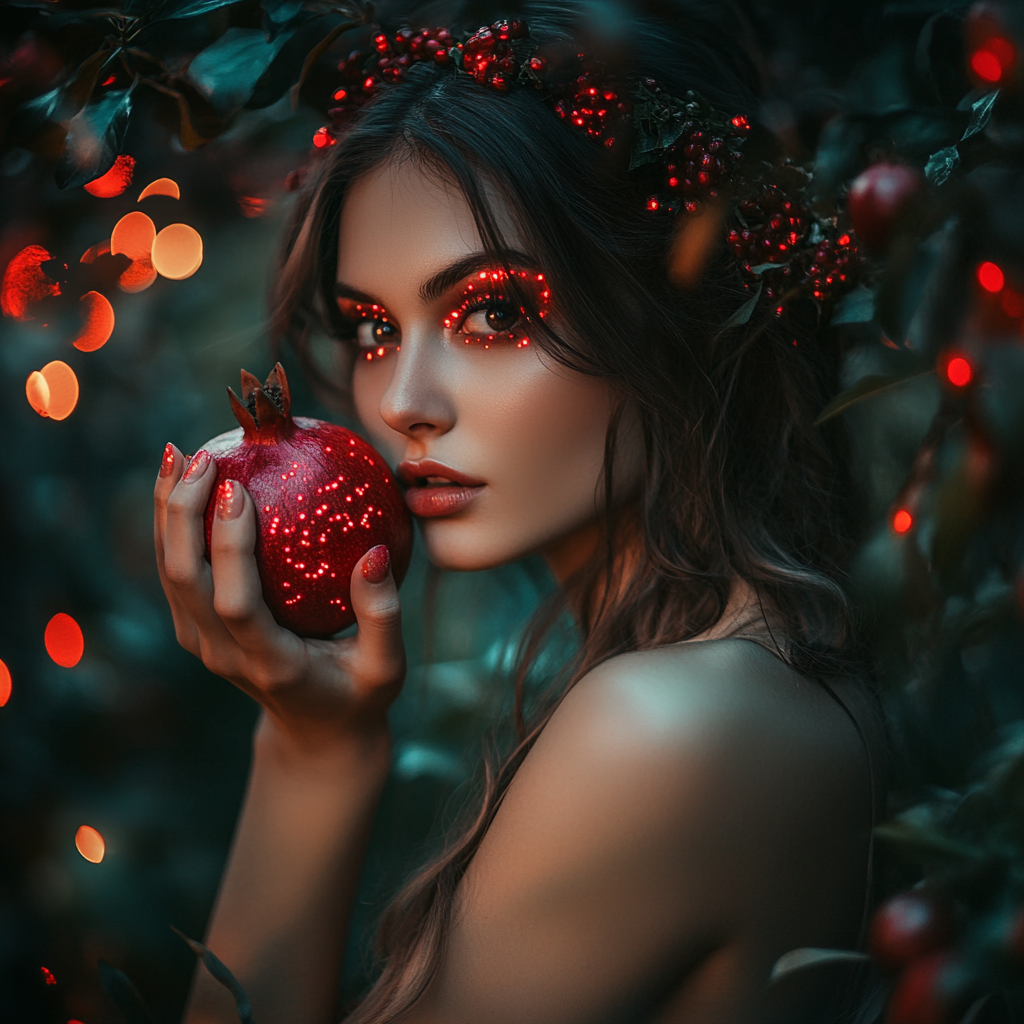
<point>370,381</point>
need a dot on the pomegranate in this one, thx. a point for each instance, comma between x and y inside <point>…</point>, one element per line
<point>877,199</point>
<point>323,498</point>
<point>906,928</point>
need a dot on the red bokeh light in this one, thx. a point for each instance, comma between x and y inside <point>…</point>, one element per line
<point>47,975</point>
<point>25,283</point>
<point>5,684</point>
<point>959,371</point>
<point>90,844</point>
<point>322,137</point>
<point>97,322</point>
<point>991,277</point>
<point>902,521</point>
<point>115,181</point>
<point>64,640</point>
<point>985,64</point>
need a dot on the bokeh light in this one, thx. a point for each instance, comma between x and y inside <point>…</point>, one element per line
<point>97,322</point>
<point>64,641</point>
<point>993,60</point>
<point>138,277</point>
<point>115,181</point>
<point>37,391</point>
<point>959,371</point>
<point>94,252</point>
<point>177,251</point>
<point>991,277</point>
<point>48,977</point>
<point>53,390</point>
<point>902,521</point>
<point>25,283</point>
<point>90,844</point>
<point>133,235</point>
<point>160,187</point>
<point>6,684</point>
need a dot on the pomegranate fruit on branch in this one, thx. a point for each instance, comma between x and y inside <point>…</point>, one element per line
<point>323,498</point>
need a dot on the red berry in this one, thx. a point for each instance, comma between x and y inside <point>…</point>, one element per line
<point>878,197</point>
<point>907,927</point>
<point>323,498</point>
<point>930,991</point>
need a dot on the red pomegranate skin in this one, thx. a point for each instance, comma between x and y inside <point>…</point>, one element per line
<point>876,200</point>
<point>323,498</point>
<point>906,928</point>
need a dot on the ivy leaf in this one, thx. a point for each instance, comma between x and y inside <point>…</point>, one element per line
<point>94,138</point>
<point>123,994</point>
<point>222,974</point>
<point>742,315</point>
<point>856,308</point>
<point>808,956</point>
<point>867,387</point>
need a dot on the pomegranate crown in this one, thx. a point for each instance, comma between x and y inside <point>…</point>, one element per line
<point>263,412</point>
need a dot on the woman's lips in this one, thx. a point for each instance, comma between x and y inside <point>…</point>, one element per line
<point>435,489</point>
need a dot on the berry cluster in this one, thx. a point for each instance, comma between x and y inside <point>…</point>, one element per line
<point>595,107</point>
<point>488,55</point>
<point>699,165</point>
<point>772,226</point>
<point>832,267</point>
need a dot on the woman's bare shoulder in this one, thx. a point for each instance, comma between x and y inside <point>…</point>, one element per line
<point>726,698</point>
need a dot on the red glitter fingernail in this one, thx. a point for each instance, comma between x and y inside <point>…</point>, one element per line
<point>167,462</point>
<point>377,563</point>
<point>199,462</point>
<point>229,500</point>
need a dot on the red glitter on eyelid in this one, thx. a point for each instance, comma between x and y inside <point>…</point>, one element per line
<point>474,301</point>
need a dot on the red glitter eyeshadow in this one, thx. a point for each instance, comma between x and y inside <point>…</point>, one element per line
<point>487,291</point>
<point>354,313</point>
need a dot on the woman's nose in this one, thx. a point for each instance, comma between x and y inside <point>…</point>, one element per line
<point>416,402</point>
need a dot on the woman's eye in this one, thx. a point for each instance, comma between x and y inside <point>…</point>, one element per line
<point>376,338</point>
<point>491,319</point>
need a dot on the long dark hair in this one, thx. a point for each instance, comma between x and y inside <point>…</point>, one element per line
<point>738,482</point>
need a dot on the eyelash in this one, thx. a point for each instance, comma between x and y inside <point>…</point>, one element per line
<point>472,302</point>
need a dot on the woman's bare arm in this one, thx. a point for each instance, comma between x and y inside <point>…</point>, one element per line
<point>320,755</point>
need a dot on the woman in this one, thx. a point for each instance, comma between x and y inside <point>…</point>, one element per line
<point>698,800</point>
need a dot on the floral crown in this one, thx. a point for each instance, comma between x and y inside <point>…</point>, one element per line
<point>691,151</point>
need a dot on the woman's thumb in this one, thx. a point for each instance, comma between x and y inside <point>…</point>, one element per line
<point>378,611</point>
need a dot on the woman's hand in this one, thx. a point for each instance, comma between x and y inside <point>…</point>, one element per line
<point>314,691</point>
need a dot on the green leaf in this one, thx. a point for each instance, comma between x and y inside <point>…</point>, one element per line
<point>926,843</point>
<point>227,71</point>
<point>222,974</point>
<point>856,308</point>
<point>866,387</point>
<point>123,994</point>
<point>742,315</point>
<point>808,956</point>
<point>94,138</point>
<point>942,164</point>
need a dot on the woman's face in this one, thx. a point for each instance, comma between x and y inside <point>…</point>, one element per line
<point>501,448</point>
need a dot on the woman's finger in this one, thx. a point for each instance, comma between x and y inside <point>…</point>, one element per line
<point>185,567</point>
<point>274,654</point>
<point>378,656</point>
<point>172,463</point>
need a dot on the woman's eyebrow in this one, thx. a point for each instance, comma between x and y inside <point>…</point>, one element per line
<point>436,286</point>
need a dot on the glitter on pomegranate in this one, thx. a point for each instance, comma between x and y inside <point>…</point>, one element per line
<point>323,498</point>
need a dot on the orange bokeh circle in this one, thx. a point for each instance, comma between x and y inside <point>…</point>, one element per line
<point>53,390</point>
<point>97,322</point>
<point>160,187</point>
<point>133,235</point>
<point>90,844</point>
<point>5,684</point>
<point>177,251</point>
